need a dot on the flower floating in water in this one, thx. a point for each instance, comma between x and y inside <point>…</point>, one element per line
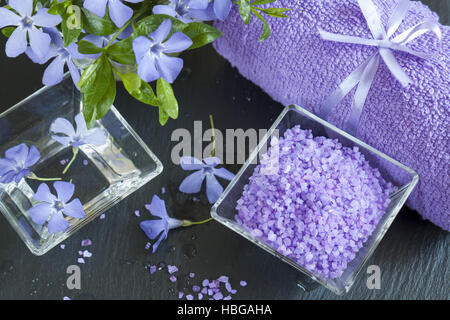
<point>64,133</point>
<point>17,163</point>
<point>27,28</point>
<point>153,63</point>
<point>187,10</point>
<point>207,168</point>
<point>120,13</point>
<point>53,208</point>
<point>158,229</point>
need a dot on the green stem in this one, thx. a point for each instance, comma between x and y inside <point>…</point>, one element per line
<point>32,176</point>
<point>75,153</point>
<point>137,15</point>
<point>188,223</point>
<point>213,151</point>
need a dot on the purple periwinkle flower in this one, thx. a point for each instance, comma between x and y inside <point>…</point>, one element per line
<point>153,63</point>
<point>64,132</point>
<point>54,73</point>
<point>27,28</point>
<point>53,208</point>
<point>222,8</point>
<point>187,10</point>
<point>205,169</point>
<point>159,228</point>
<point>17,162</point>
<point>119,12</point>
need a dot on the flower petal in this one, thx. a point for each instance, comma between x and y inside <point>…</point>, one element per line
<point>223,173</point>
<point>213,188</point>
<point>44,19</point>
<point>65,141</point>
<point>158,208</point>
<point>74,209</point>
<point>40,212</point>
<point>64,190</point>
<point>191,163</point>
<point>98,7</point>
<point>21,174</point>
<point>205,14</point>
<point>39,42</point>
<point>164,9</point>
<point>157,243</point>
<point>24,7</point>
<point>57,223</point>
<point>141,46</point>
<point>222,8</point>
<point>212,161</point>
<point>8,177</point>
<point>43,194</point>
<point>6,165</point>
<point>153,228</point>
<point>17,43</point>
<point>160,34</point>
<point>177,42</point>
<point>54,73</point>
<point>61,125</point>
<point>198,4</point>
<point>17,153</point>
<point>81,125</point>
<point>55,36</point>
<point>74,72</point>
<point>147,69</point>
<point>169,67</point>
<point>119,13</point>
<point>193,182</point>
<point>33,157</point>
<point>8,18</point>
<point>95,137</point>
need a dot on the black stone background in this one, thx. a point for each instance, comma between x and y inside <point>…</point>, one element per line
<point>413,256</point>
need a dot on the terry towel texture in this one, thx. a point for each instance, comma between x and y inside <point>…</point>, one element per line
<point>295,66</point>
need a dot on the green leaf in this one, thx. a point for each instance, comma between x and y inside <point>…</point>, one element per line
<point>261,2</point>
<point>149,24</point>
<point>122,52</point>
<point>266,28</point>
<point>86,47</point>
<point>275,12</point>
<point>97,25</point>
<point>72,23</point>
<point>98,87</point>
<point>244,10</point>
<point>201,34</point>
<point>8,31</point>
<point>139,89</point>
<point>168,102</point>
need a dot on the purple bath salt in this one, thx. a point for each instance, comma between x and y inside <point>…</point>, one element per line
<point>319,207</point>
<point>86,242</point>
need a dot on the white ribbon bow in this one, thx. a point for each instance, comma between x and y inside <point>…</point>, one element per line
<point>364,75</point>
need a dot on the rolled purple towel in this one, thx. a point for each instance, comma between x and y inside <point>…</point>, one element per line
<point>295,66</point>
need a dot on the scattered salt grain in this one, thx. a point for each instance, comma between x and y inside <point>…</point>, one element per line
<point>137,213</point>
<point>243,283</point>
<point>172,278</point>
<point>81,260</point>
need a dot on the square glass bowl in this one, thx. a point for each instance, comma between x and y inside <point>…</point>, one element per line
<point>392,171</point>
<point>102,175</point>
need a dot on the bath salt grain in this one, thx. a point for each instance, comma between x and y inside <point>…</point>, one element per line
<point>319,207</point>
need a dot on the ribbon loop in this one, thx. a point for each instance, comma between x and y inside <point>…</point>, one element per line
<point>364,75</point>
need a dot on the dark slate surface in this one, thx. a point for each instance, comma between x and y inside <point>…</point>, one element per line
<point>413,256</point>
